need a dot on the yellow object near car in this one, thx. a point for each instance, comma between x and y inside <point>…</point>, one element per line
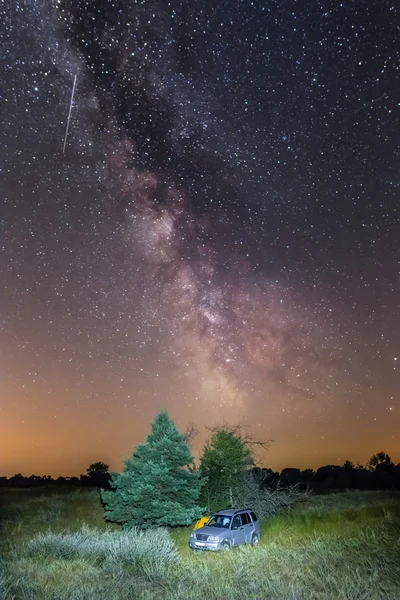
<point>201,522</point>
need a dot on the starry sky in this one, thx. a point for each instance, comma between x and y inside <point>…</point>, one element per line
<point>220,238</point>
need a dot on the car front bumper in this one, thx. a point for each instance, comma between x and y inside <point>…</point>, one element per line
<point>196,545</point>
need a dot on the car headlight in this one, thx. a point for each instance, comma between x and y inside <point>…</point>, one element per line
<point>192,535</point>
<point>212,538</point>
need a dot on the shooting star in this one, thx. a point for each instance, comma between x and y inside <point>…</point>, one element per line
<point>69,114</point>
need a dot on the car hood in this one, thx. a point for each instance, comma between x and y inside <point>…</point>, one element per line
<point>211,530</point>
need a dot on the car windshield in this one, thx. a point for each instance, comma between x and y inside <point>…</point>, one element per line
<point>220,521</point>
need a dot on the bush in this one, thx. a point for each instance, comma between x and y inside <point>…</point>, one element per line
<point>124,547</point>
<point>253,491</point>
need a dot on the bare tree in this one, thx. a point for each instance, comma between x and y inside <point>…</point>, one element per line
<point>190,433</point>
<point>267,500</point>
<point>248,440</point>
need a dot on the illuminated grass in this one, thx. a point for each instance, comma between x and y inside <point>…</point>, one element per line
<point>346,554</point>
<point>25,513</point>
<point>125,547</point>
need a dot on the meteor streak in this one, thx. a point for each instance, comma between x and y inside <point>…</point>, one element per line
<point>69,114</point>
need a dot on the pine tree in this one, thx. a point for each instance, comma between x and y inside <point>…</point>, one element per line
<point>159,485</point>
<point>225,460</point>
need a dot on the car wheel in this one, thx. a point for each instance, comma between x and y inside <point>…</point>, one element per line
<point>225,545</point>
<point>255,539</point>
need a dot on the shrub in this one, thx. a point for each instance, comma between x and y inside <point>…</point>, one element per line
<point>124,547</point>
<point>253,490</point>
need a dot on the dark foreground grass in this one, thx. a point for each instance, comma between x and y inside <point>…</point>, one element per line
<point>343,546</point>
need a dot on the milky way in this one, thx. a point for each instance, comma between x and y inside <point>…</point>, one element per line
<point>221,236</point>
<point>235,333</point>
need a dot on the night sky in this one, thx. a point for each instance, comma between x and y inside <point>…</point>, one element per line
<point>221,237</point>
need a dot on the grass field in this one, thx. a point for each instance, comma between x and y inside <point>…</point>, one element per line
<point>56,546</point>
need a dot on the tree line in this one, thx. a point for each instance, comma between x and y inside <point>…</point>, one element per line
<point>161,485</point>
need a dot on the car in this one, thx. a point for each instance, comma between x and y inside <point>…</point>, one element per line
<point>226,529</point>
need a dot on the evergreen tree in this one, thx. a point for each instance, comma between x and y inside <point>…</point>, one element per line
<point>225,460</point>
<point>159,485</point>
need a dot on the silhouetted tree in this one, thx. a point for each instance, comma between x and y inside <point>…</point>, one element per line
<point>328,476</point>
<point>17,479</point>
<point>98,468</point>
<point>97,475</point>
<point>380,461</point>
<point>348,465</point>
<point>307,475</point>
<point>291,475</point>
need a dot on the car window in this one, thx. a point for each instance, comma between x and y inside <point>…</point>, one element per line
<point>245,518</point>
<point>236,521</point>
<point>253,516</point>
<point>219,521</point>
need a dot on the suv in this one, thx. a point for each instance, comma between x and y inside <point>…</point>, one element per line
<point>227,528</point>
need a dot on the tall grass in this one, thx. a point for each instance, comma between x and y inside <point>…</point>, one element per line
<point>123,547</point>
<point>347,500</point>
<point>349,551</point>
<point>24,513</point>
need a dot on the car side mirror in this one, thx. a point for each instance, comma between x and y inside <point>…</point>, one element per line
<point>235,527</point>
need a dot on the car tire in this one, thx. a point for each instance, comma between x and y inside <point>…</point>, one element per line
<point>225,545</point>
<point>255,539</point>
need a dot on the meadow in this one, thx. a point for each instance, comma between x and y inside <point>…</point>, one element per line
<point>56,546</point>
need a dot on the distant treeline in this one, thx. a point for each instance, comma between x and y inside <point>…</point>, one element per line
<point>97,475</point>
<point>379,473</point>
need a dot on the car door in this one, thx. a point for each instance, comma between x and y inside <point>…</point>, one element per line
<point>256,522</point>
<point>248,527</point>
<point>237,531</point>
